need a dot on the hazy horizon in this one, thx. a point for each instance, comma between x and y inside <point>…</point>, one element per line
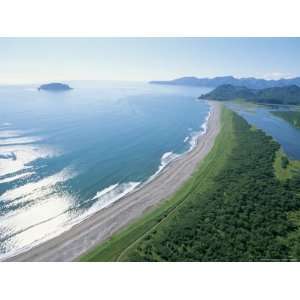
<point>37,60</point>
<point>67,81</point>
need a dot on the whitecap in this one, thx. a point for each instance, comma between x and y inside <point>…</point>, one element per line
<point>105,191</point>
<point>192,138</point>
<point>112,194</point>
<point>167,158</point>
<point>164,161</point>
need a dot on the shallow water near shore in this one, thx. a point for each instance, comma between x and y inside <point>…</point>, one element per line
<point>64,156</point>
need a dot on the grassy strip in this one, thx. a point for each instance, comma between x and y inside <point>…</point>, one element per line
<point>248,106</point>
<point>284,173</point>
<point>116,247</point>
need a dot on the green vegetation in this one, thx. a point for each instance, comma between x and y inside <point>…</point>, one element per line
<point>290,177</point>
<point>249,106</point>
<point>292,117</point>
<point>285,168</point>
<point>292,241</point>
<point>284,162</point>
<point>250,82</point>
<point>241,218</point>
<point>200,181</point>
<point>234,208</point>
<point>289,173</point>
<point>289,95</point>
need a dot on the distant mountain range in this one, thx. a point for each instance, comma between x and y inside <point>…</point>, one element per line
<point>250,82</point>
<point>275,95</point>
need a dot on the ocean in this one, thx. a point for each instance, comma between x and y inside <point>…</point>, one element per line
<point>67,155</point>
<point>64,156</point>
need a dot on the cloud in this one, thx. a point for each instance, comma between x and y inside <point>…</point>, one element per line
<point>277,75</point>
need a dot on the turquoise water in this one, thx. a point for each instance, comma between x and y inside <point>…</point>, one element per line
<point>66,155</point>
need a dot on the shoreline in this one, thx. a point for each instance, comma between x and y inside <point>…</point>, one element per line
<point>102,224</point>
<point>162,166</point>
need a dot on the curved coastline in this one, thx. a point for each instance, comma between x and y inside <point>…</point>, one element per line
<point>103,223</point>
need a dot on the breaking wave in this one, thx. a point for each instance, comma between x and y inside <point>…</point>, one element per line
<point>192,139</point>
<point>194,136</point>
<point>111,194</point>
<point>52,216</point>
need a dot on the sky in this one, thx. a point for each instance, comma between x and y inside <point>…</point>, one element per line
<point>37,60</point>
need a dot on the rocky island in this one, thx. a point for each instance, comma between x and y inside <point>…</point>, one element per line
<point>55,87</point>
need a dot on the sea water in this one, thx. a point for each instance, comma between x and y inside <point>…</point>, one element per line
<point>66,155</point>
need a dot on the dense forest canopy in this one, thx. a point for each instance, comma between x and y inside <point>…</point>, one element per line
<point>276,95</point>
<point>242,204</point>
<point>243,216</point>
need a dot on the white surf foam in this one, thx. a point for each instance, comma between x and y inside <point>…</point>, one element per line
<point>164,161</point>
<point>105,191</point>
<point>52,217</point>
<point>167,158</point>
<point>59,220</point>
<point>192,138</point>
<point>112,194</point>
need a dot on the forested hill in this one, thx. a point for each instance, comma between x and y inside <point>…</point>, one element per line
<point>249,82</point>
<point>276,95</point>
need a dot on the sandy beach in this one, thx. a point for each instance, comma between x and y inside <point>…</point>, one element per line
<point>80,238</point>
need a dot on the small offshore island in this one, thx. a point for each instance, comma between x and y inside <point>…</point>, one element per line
<point>54,87</point>
<point>227,200</point>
